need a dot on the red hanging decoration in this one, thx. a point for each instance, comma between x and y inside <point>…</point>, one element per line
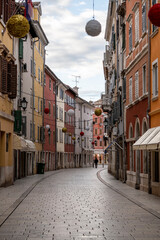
<point>154,14</point>
<point>46,110</point>
<point>92,143</point>
<point>81,133</point>
<point>98,137</point>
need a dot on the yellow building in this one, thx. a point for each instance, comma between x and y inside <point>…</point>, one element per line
<point>37,85</point>
<point>6,103</point>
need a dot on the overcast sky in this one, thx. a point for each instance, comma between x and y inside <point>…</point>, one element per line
<point>71,51</point>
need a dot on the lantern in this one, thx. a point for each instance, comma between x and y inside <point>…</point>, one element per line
<point>93,28</point>
<point>71,112</point>
<point>98,111</point>
<point>64,130</point>
<point>70,134</point>
<point>92,143</point>
<point>46,110</point>
<point>98,137</point>
<point>18,26</point>
<point>81,133</point>
<point>73,138</point>
<point>154,14</point>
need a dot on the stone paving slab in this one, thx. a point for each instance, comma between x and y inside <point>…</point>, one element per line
<point>74,205</point>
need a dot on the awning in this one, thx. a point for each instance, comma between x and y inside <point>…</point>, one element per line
<point>150,140</point>
<point>19,143</point>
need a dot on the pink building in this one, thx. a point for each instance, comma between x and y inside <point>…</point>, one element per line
<point>98,134</point>
<point>49,146</point>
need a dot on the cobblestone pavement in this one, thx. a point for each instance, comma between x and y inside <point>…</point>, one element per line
<point>74,205</point>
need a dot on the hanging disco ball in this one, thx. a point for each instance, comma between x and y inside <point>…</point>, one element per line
<point>93,28</point>
<point>154,13</point>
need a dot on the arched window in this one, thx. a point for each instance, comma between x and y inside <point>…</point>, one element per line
<point>131,148</point>
<point>145,153</point>
<point>138,156</point>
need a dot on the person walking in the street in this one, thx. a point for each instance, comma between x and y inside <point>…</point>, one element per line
<point>96,161</point>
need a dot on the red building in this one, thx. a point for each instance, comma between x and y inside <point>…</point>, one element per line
<point>136,90</point>
<point>69,108</point>
<point>49,146</point>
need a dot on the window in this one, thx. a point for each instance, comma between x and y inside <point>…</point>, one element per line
<point>54,137</point>
<point>136,26</point>
<point>130,37</point>
<point>57,112</point>
<point>144,79</point>
<point>95,120</point>
<point>41,77</point>
<point>39,74</point>
<point>44,79</point>
<point>60,136</point>
<point>54,87</point>
<point>100,131</point>
<point>38,133</point>
<point>144,19</point>
<point>61,94</point>
<point>7,141</point>
<point>153,26</point>
<point>96,131</point>
<point>49,84</point>
<point>49,105</point>
<point>155,78</point>
<point>136,85</point>
<point>130,90</point>
<point>100,142</point>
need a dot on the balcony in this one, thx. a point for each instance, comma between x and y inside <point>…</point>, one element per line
<point>121,10</point>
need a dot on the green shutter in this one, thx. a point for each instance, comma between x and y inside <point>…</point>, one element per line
<point>17,121</point>
<point>20,48</point>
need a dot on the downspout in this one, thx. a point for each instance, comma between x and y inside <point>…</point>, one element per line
<point>56,127</point>
<point>43,160</point>
<point>149,97</point>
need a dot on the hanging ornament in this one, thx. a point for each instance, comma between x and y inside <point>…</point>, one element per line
<point>154,14</point>
<point>82,139</point>
<point>71,112</point>
<point>64,130</point>
<point>46,110</point>
<point>92,143</point>
<point>18,26</point>
<point>70,134</point>
<point>73,138</point>
<point>98,111</point>
<point>81,133</point>
<point>98,137</point>
<point>93,27</point>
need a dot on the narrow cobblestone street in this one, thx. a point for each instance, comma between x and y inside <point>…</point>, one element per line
<point>74,204</point>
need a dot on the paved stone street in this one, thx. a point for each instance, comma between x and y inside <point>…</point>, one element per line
<point>74,204</point>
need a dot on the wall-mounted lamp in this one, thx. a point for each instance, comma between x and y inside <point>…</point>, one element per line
<point>23,103</point>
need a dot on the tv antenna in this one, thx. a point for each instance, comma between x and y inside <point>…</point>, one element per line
<point>76,79</point>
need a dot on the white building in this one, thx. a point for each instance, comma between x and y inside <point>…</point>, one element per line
<point>83,123</point>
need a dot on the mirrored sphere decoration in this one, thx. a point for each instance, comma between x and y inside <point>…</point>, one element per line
<point>93,28</point>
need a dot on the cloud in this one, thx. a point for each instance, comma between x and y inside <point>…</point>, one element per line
<point>71,51</point>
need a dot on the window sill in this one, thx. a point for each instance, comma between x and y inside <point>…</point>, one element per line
<point>136,44</point>
<point>155,98</point>
<point>154,33</point>
<point>144,34</point>
<point>130,52</point>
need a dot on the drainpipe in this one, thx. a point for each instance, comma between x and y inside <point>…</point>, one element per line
<point>43,160</point>
<point>56,126</point>
<point>149,98</point>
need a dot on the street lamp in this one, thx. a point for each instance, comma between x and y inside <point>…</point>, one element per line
<point>24,103</point>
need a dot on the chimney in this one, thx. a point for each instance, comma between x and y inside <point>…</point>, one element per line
<point>76,89</point>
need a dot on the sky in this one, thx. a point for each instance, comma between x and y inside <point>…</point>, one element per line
<point>71,52</point>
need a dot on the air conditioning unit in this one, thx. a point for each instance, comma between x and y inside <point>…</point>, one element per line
<point>25,67</point>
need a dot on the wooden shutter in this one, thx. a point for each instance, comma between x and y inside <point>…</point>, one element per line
<point>3,75</point>
<point>0,8</point>
<point>17,121</point>
<point>12,80</point>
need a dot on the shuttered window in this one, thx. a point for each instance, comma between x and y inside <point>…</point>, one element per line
<point>136,85</point>
<point>144,19</point>
<point>155,78</point>
<point>130,37</point>
<point>3,75</point>
<point>136,25</point>
<point>123,36</point>
<point>144,79</point>
<point>12,80</point>
<point>130,90</point>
